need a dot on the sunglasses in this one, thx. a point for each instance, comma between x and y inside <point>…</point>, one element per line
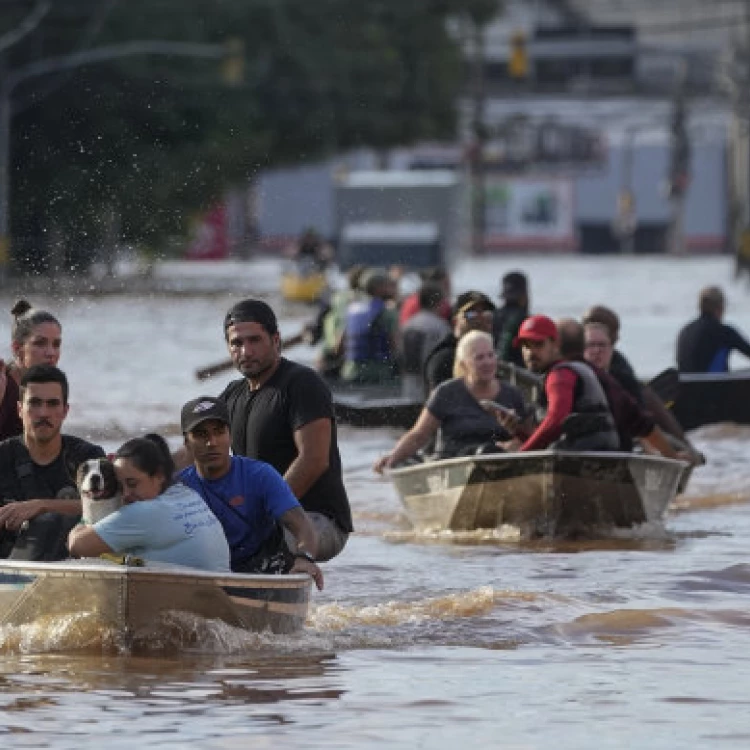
<point>476,314</point>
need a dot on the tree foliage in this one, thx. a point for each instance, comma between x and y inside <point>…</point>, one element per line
<point>158,137</point>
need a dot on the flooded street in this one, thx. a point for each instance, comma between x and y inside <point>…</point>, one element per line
<point>639,640</point>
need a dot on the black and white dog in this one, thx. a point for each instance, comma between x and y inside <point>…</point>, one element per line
<point>98,488</point>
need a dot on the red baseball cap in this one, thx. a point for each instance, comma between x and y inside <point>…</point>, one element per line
<point>536,328</point>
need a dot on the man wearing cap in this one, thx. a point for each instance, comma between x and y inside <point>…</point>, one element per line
<point>508,318</point>
<point>281,412</point>
<point>250,498</point>
<point>576,414</point>
<point>472,311</point>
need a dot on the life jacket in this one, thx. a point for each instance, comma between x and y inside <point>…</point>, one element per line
<point>590,425</point>
<point>74,452</point>
<point>366,338</point>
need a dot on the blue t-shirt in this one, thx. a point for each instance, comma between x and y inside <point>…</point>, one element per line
<point>175,527</point>
<point>248,501</point>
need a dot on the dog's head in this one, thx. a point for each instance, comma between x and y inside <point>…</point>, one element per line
<point>96,479</point>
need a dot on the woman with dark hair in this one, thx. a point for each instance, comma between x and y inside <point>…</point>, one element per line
<point>36,337</point>
<point>161,520</point>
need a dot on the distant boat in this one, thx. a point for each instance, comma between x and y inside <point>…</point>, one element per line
<point>130,599</point>
<point>374,405</point>
<point>709,398</point>
<point>303,282</point>
<point>544,493</point>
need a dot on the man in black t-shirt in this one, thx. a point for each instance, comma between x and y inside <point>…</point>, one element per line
<point>38,497</point>
<point>282,413</point>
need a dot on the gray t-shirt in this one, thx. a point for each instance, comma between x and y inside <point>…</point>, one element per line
<point>463,422</point>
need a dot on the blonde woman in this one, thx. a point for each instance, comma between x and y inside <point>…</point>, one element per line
<point>454,412</point>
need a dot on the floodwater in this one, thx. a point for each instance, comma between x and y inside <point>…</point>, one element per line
<point>639,640</point>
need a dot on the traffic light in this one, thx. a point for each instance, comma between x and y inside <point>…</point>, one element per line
<point>518,62</point>
<point>233,63</point>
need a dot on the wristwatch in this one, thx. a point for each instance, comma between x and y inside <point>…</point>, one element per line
<point>306,555</point>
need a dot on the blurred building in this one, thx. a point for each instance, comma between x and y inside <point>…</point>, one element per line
<point>579,135</point>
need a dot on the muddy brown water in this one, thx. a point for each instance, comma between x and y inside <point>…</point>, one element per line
<point>635,640</point>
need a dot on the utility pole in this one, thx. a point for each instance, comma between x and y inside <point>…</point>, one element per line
<point>679,166</point>
<point>479,139</point>
<point>626,221</point>
<point>737,83</point>
<point>478,14</point>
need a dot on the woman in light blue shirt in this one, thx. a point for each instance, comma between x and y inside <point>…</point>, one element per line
<point>161,521</point>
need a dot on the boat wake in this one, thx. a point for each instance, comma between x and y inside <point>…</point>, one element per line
<point>175,632</point>
<point>651,531</point>
<point>335,617</point>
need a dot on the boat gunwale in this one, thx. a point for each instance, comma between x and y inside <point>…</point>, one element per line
<point>715,377</point>
<point>534,455</point>
<point>105,569</point>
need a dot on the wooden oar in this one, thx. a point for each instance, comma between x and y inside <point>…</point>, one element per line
<point>204,373</point>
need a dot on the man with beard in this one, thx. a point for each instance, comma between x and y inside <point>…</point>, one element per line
<point>38,497</point>
<point>574,408</point>
<point>281,412</point>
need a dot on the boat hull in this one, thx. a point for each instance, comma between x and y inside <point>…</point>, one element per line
<point>546,493</point>
<point>374,406</point>
<point>131,599</point>
<point>711,398</point>
<point>303,288</point>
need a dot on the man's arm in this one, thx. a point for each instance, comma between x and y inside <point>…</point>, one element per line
<point>657,441</point>
<point>299,525</point>
<point>313,442</point>
<point>83,541</point>
<point>13,515</point>
<point>301,528</point>
<point>560,388</point>
<point>739,342</point>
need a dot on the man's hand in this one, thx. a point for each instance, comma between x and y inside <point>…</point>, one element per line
<point>383,463</point>
<point>14,515</point>
<point>692,456</point>
<point>303,565</point>
<point>511,446</point>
